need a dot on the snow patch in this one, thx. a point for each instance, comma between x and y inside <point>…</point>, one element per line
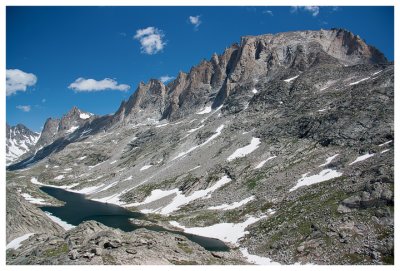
<point>155,195</point>
<point>383,144</point>
<point>84,116</point>
<point>113,162</point>
<point>81,158</point>
<point>60,222</point>
<point>59,177</point>
<point>217,133</point>
<point>195,129</point>
<point>290,79</point>
<point>323,176</point>
<point>378,72</point>
<point>241,152</point>
<point>262,163</point>
<point>206,110</point>
<point>359,81</point>
<point>34,180</point>
<point>33,200</point>
<point>145,167</point>
<point>255,91</point>
<point>16,243</point>
<point>162,125</point>
<point>233,205</point>
<point>180,199</point>
<point>328,160</point>
<point>227,232</point>
<point>196,167</point>
<point>72,129</point>
<point>362,158</point>
<point>255,259</point>
<point>88,190</point>
<point>90,167</point>
<point>385,150</point>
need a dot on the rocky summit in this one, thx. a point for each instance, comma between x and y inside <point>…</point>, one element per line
<point>282,147</point>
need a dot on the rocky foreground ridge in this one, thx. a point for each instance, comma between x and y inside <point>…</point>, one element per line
<point>281,147</point>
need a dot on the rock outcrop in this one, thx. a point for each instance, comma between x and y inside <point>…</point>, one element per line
<point>93,243</point>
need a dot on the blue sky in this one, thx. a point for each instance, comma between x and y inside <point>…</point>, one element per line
<point>53,51</point>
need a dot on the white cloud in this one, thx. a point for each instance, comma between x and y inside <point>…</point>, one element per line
<point>195,20</point>
<point>151,40</point>
<point>25,108</point>
<point>82,84</point>
<point>314,10</point>
<point>166,78</point>
<point>17,80</point>
<point>269,12</point>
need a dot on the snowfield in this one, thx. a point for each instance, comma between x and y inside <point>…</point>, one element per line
<point>227,232</point>
<point>16,243</point>
<point>323,176</point>
<point>179,199</point>
<point>242,152</point>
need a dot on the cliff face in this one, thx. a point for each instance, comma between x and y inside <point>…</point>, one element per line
<point>56,128</point>
<point>256,56</point>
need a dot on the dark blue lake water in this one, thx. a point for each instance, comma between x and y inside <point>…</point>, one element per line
<point>78,208</point>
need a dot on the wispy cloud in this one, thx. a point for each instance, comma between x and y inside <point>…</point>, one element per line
<point>43,100</point>
<point>17,80</point>
<point>314,10</point>
<point>268,12</point>
<point>25,108</point>
<point>151,40</point>
<point>88,85</point>
<point>166,78</point>
<point>195,20</point>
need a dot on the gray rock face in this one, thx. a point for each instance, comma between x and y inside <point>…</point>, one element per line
<point>147,102</point>
<point>214,80</point>
<point>22,218</point>
<point>49,132</point>
<point>19,140</point>
<point>56,128</point>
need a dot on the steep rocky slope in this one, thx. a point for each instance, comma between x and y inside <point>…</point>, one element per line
<point>282,147</point>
